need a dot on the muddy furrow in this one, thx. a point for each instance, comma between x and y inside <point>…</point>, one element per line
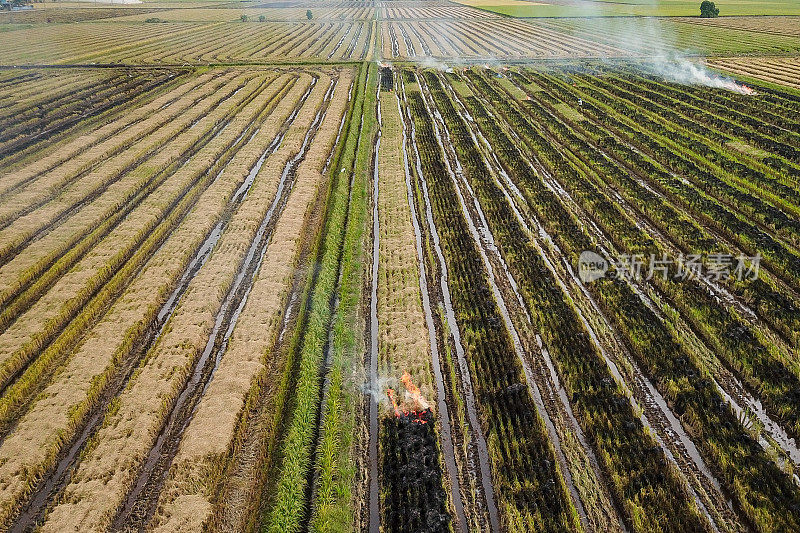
<point>425,48</point>
<point>478,449</point>
<point>348,53</point>
<point>141,502</point>
<point>25,143</point>
<point>409,44</point>
<point>10,251</point>
<point>394,43</point>
<point>29,199</point>
<point>341,40</point>
<point>373,353</point>
<point>443,410</point>
<point>54,482</point>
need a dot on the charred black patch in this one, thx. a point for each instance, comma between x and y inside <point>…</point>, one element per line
<point>387,79</point>
<point>415,499</point>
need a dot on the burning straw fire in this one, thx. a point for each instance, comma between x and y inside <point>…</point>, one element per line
<point>414,405</point>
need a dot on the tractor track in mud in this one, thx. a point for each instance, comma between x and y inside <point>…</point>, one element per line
<point>22,183</point>
<point>373,353</point>
<point>53,483</point>
<point>131,202</point>
<point>22,144</point>
<point>141,501</point>
<point>656,414</point>
<point>348,53</point>
<point>394,44</point>
<point>9,219</point>
<point>146,188</point>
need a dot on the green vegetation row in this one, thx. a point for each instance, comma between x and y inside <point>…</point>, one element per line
<point>289,509</point>
<point>766,495</point>
<point>749,118</point>
<point>334,467</point>
<point>755,359</point>
<point>648,489</point>
<point>699,193</point>
<point>530,488</point>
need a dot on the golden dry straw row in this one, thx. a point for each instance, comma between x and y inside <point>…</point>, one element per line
<point>106,472</point>
<point>64,405</point>
<point>186,502</point>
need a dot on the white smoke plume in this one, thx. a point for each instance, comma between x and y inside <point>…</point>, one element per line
<point>650,37</point>
<point>684,71</point>
<point>378,391</point>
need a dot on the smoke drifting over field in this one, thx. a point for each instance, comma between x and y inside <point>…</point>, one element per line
<point>681,70</point>
<point>650,36</point>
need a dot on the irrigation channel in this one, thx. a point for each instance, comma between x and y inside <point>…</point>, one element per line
<point>141,501</point>
<point>374,521</point>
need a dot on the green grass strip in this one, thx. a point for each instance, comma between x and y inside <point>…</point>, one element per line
<point>289,506</point>
<point>335,469</point>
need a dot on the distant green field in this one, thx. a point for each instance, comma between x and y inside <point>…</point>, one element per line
<point>772,36</point>
<point>614,8</point>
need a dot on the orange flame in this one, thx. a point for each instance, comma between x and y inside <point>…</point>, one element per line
<point>397,412</point>
<point>420,404</point>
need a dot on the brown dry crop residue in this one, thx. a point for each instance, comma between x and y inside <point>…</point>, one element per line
<point>780,70</point>
<point>185,502</point>
<point>56,416</point>
<point>106,472</point>
<point>403,336</point>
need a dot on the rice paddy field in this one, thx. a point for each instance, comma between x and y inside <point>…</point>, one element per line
<point>400,266</point>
